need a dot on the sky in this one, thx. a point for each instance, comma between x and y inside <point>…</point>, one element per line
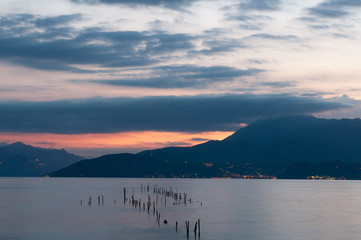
<point>110,76</point>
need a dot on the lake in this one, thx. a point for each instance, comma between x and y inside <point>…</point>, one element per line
<point>50,208</point>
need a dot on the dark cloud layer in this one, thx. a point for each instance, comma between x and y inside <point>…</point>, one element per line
<point>58,47</point>
<point>164,113</point>
<point>186,76</point>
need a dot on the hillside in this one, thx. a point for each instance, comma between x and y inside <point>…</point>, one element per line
<point>264,147</point>
<point>20,160</point>
<point>272,144</point>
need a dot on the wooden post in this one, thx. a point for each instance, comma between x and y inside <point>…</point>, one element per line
<point>176,226</point>
<point>102,199</point>
<point>199,227</point>
<point>195,228</point>
<point>187,228</point>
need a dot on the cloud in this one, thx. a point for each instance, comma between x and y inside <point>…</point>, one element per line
<point>220,45</point>
<point>279,84</point>
<point>335,8</point>
<point>160,113</point>
<point>185,76</point>
<point>328,13</point>
<point>261,5</point>
<point>252,26</point>
<point>273,37</point>
<point>60,47</point>
<point>249,21</point>
<point>61,20</point>
<point>320,27</point>
<point>173,4</point>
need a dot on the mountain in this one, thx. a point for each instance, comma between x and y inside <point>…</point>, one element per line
<point>135,165</point>
<point>272,144</point>
<point>267,146</point>
<point>20,160</point>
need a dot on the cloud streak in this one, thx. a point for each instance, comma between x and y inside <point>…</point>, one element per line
<point>186,76</point>
<point>162,113</point>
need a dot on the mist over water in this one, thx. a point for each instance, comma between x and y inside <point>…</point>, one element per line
<point>49,208</point>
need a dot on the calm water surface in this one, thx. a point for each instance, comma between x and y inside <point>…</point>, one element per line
<point>49,208</point>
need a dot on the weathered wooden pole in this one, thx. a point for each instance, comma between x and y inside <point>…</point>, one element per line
<point>187,228</point>
<point>199,227</point>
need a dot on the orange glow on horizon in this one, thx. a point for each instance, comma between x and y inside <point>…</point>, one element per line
<point>141,139</point>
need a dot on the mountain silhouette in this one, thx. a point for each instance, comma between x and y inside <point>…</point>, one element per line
<point>265,147</point>
<point>20,160</point>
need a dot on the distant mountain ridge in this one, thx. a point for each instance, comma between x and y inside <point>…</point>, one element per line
<point>265,147</point>
<point>20,160</point>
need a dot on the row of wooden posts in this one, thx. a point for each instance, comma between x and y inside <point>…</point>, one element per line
<point>177,197</point>
<point>90,200</point>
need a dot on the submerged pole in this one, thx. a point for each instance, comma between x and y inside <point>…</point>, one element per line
<point>199,227</point>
